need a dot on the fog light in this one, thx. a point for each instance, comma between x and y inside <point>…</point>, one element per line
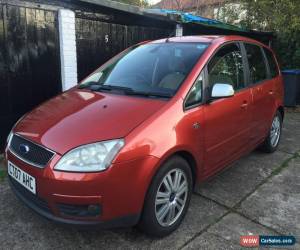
<point>80,210</point>
<point>94,210</point>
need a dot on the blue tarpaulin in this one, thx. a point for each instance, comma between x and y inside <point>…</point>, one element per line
<point>190,18</point>
<point>291,72</point>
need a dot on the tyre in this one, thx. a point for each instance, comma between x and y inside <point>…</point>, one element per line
<point>272,141</point>
<point>167,199</point>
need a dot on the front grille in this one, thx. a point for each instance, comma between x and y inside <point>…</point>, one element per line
<point>29,197</point>
<point>36,155</point>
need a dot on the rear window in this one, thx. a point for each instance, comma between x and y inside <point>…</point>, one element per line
<point>272,63</point>
<point>257,66</point>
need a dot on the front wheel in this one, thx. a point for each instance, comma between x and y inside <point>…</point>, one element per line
<point>272,141</point>
<point>167,199</point>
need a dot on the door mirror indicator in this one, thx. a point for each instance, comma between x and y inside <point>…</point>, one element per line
<point>222,90</point>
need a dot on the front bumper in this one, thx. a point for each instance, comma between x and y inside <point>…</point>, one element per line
<point>125,221</point>
<point>118,192</point>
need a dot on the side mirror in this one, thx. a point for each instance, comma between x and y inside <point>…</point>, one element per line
<point>222,90</point>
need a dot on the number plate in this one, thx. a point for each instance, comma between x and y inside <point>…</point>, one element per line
<point>22,177</point>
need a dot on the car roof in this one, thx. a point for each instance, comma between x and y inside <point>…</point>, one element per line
<point>188,39</point>
<point>207,39</point>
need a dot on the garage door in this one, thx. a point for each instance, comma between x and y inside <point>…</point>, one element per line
<point>29,62</point>
<point>98,41</point>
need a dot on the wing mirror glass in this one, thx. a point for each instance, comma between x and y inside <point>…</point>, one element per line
<point>222,90</point>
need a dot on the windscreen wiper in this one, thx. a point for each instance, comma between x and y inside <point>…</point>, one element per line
<point>112,87</point>
<point>150,94</point>
<point>96,86</point>
<point>126,90</point>
<point>87,84</point>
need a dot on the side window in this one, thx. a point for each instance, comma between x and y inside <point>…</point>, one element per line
<point>195,95</point>
<point>256,61</point>
<point>227,67</point>
<point>272,63</point>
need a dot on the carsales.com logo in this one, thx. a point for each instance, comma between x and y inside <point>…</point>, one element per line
<point>249,241</point>
<point>263,240</point>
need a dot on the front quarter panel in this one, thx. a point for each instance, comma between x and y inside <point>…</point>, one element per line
<point>165,134</point>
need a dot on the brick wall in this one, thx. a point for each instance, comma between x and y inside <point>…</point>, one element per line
<point>67,37</point>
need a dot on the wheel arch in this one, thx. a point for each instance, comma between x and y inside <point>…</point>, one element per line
<point>281,110</point>
<point>191,161</point>
<point>187,156</point>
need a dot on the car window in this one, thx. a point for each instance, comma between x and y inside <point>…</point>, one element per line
<point>227,67</point>
<point>150,68</point>
<point>195,95</point>
<point>256,61</point>
<point>272,63</point>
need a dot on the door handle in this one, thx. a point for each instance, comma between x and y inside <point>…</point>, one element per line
<point>244,105</point>
<point>271,92</point>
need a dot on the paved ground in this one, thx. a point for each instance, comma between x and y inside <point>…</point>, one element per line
<point>259,194</point>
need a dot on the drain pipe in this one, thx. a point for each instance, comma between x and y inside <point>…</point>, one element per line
<point>179,30</point>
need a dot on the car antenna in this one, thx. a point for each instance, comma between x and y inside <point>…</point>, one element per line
<point>170,36</point>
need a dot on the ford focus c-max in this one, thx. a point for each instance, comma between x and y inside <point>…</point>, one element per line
<point>127,145</point>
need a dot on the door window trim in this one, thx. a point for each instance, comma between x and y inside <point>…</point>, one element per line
<point>206,83</point>
<point>250,83</point>
<point>190,90</point>
<point>206,88</point>
<point>268,63</point>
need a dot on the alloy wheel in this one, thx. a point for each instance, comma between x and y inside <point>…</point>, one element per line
<point>275,131</point>
<point>171,197</point>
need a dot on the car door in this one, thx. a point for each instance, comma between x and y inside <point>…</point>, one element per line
<point>227,120</point>
<point>263,91</point>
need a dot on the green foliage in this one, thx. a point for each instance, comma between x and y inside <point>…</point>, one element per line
<point>2,175</point>
<point>279,16</point>
<point>287,47</point>
<point>275,15</point>
<point>140,3</point>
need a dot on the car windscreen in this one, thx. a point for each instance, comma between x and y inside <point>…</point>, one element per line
<point>158,68</point>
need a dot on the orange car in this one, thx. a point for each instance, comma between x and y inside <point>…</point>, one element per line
<point>127,145</point>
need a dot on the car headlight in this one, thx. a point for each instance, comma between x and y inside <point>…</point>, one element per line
<point>90,158</point>
<point>9,137</point>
